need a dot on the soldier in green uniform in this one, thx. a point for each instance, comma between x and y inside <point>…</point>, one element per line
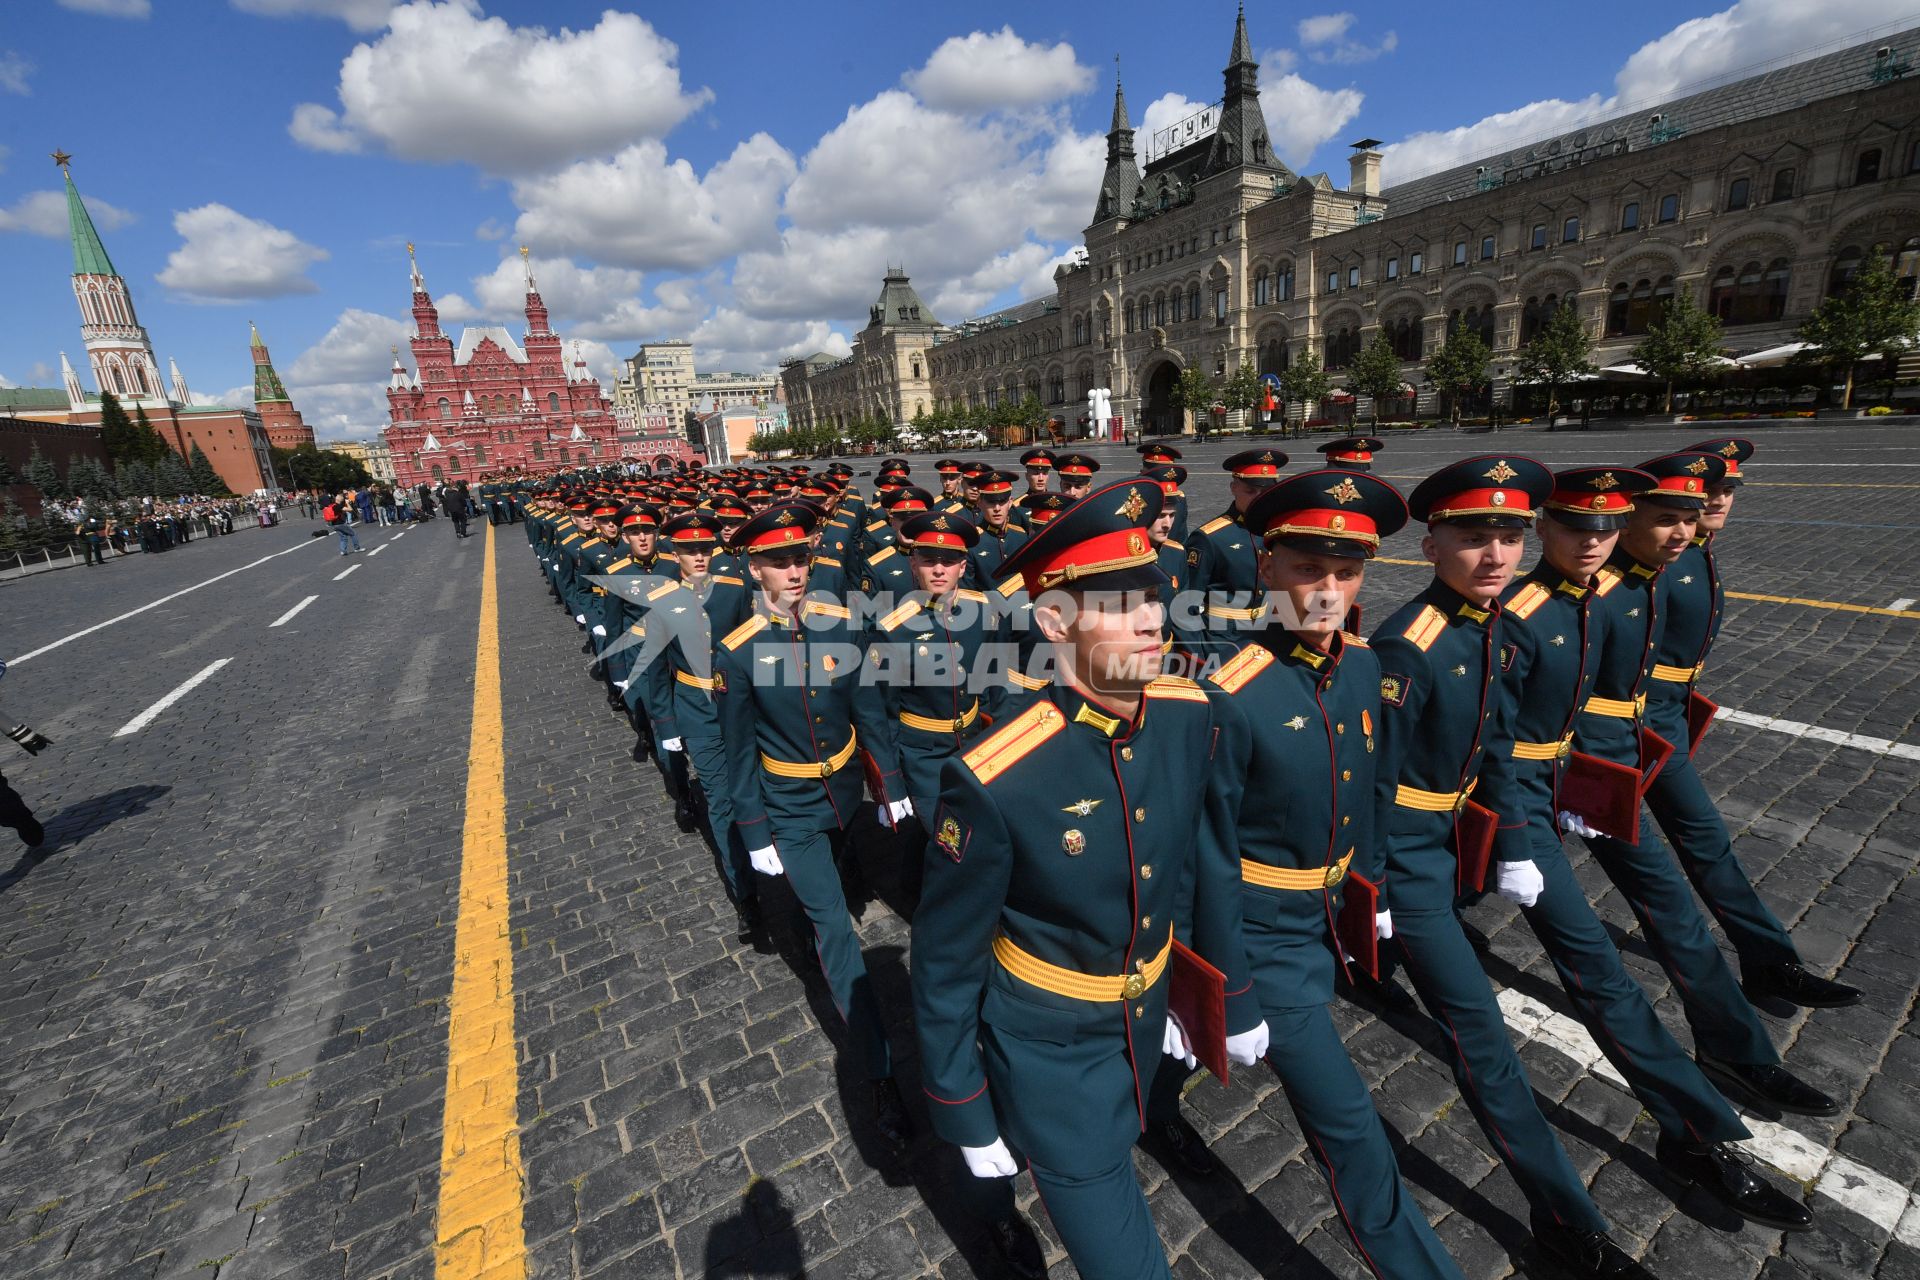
<point>1171,553</point>
<point>1551,638</point>
<point>950,498</point>
<point>1038,466</point>
<point>1731,1042</point>
<point>786,680</point>
<point>93,534</point>
<point>999,536</point>
<point>1352,453</point>
<point>1075,473</point>
<point>1220,554</point>
<point>1059,849</point>
<point>1302,703</point>
<point>883,567</point>
<point>1154,456</point>
<point>1440,657</point>
<point>1770,965</point>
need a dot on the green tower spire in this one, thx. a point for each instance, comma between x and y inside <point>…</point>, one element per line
<point>89,255</point>
<point>267,386</point>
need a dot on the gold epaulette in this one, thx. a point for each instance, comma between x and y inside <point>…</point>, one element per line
<point>1021,680</point>
<point>619,564</point>
<point>829,561</point>
<point>1528,599</point>
<point>1425,628</point>
<point>1244,666</point>
<point>1215,525</point>
<point>570,537</point>
<point>900,615</point>
<point>745,631</point>
<point>1354,640</point>
<point>830,610</point>
<point>1177,687</point>
<point>877,524</point>
<point>1606,580</point>
<point>1015,739</point>
<point>1011,586</point>
<point>970,595</point>
<point>729,579</point>
<point>884,553</point>
<point>1177,546</point>
<point>664,589</point>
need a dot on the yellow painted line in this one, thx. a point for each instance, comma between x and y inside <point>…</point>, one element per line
<point>1825,604</point>
<point>1418,564</point>
<point>1822,484</point>
<point>479,1232</point>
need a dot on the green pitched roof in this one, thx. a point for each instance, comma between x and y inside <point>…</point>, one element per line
<point>89,255</point>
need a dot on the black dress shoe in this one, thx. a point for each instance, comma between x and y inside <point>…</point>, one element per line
<point>1769,1085</point>
<point>1586,1253</point>
<point>1177,1140</point>
<point>1385,992</point>
<point>1017,1249</point>
<point>1476,938</point>
<point>752,924</point>
<point>1794,984</point>
<point>641,750</point>
<point>684,816</point>
<point>890,1113</point>
<point>1726,1172</point>
<point>33,834</point>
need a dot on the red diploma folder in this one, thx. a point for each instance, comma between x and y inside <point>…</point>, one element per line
<point>1198,997</point>
<point>1655,751</point>
<point>1354,927</point>
<point>1700,712</point>
<point>1606,794</point>
<point>1473,830</point>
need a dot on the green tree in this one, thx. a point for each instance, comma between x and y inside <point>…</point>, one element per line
<point>139,480</point>
<point>1683,346</point>
<point>1376,373</point>
<point>1305,383</point>
<point>171,477</point>
<point>117,434</point>
<point>1242,391</point>
<point>1556,356</point>
<point>205,479</point>
<point>7,476</point>
<point>1193,392</point>
<point>44,476</point>
<point>148,446</point>
<point>1459,368</point>
<point>1872,317</point>
<point>88,479</point>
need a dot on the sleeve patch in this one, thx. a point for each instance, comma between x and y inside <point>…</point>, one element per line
<point>1393,690</point>
<point>1506,657</point>
<point>951,836</point>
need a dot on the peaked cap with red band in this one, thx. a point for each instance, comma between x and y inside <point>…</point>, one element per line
<point>1331,511</point>
<point>1099,543</point>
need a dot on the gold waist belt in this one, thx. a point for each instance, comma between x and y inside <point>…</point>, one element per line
<point>812,769</point>
<point>1081,986</point>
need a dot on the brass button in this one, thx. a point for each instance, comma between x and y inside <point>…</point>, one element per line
<point>1139,815</point>
<point>1339,728</point>
<point>1140,1011</point>
<point>1146,872</point>
<point>1346,775</point>
<point>1146,922</point>
<point>1126,753</point>
<point>1345,819</point>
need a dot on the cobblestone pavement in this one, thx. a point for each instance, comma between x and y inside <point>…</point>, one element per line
<point>223,994</point>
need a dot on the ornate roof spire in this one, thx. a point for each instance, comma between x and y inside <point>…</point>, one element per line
<point>1120,121</point>
<point>526,260</point>
<point>89,254</point>
<point>1242,47</point>
<point>418,281</point>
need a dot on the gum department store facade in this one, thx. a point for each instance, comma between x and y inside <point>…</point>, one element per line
<point>1755,197</point>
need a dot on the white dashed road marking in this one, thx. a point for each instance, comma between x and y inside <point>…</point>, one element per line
<point>1859,741</point>
<point>287,617</point>
<point>344,572</point>
<point>1904,602</point>
<point>145,718</point>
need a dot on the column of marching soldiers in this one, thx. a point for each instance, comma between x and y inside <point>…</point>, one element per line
<point>1131,751</point>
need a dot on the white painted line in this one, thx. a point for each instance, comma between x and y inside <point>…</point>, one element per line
<point>131,613</point>
<point>344,572</point>
<point>1846,1182</point>
<point>287,617</point>
<point>377,550</point>
<point>1794,728</point>
<point>1904,602</point>
<point>145,718</point>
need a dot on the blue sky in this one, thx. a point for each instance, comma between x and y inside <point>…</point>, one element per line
<point>729,172</point>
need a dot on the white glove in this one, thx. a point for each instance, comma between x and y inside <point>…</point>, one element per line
<point>621,685</point>
<point>890,814</point>
<point>1576,824</point>
<point>1248,1047</point>
<point>766,861</point>
<point>992,1161</point>
<point>1173,1042</point>
<point>580,618</point>
<point>1520,883</point>
<point>674,744</point>
<point>600,630</point>
<point>1383,925</point>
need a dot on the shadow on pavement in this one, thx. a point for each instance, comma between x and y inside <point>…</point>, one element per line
<point>78,821</point>
<point>759,1240</point>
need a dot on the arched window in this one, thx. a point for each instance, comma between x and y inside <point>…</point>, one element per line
<point>1539,238</point>
<point>1669,208</point>
<point>446,407</point>
<point>1260,298</point>
<point>1867,167</point>
<point>1476,320</point>
<point>1631,311</point>
<point>1057,389</point>
<point>1534,316</point>
<point>1720,294</point>
<point>1630,216</point>
<point>1284,288</point>
<point>1570,230</point>
<point>1406,334</point>
<point>1846,265</point>
<point>553,402</point>
<point>140,379</point>
<point>1274,356</point>
<point>479,455</point>
<point>1343,344</point>
<point>1126,314</point>
<point>119,381</point>
<point>1738,193</point>
<point>1783,184</point>
<point>1193,302</point>
<point>1176,306</point>
<point>1159,311</point>
<point>1752,295</point>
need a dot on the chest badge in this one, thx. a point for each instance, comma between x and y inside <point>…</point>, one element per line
<point>1558,640</point>
<point>771,659</point>
<point>1073,842</point>
<point>1634,612</point>
<point>1688,578</point>
<point>1298,722</point>
<point>1460,670</point>
<point>1082,807</point>
<point>828,662</point>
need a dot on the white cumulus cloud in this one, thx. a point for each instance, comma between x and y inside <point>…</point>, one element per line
<point>446,84</point>
<point>1300,115</point>
<point>14,70</point>
<point>339,383</point>
<point>227,257</point>
<point>361,15</point>
<point>111,8</point>
<point>44,213</point>
<point>1325,36</point>
<point>997,70</point>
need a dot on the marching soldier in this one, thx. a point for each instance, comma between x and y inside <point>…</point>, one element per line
<point>1075,472</point>
<point>1439,657</point>
<point>1352,453</point>
<point>1038,465</point>
<point>1059,849</point>
<point>1220,555</point>
<point>1731,1042</point>
<point>1770,964</point>
<point>884,566</point>
<point>786,680</point>
<point>1153,456</point>
<point>999,536</point>
<point>680,692</point>
<point>951,499</point>
<point>1551,639</point>
<point>13,810</point>
<point>1303,702</point>
<point>1170,552</point>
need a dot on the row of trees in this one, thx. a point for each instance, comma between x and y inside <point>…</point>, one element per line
<point>312,468</point>
<point>90,479</point>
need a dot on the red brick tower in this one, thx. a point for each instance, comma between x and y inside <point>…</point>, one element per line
<point>285,428</point>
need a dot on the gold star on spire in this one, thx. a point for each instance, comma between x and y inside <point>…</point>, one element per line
<point>62,158</point>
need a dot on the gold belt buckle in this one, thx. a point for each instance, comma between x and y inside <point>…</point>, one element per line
<point>1331,876</point>
<point>1459,802</point>
<point>1565,750</point>
<point>1136,985</point>
<point>1640,704</point>
<point>826,769</point>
